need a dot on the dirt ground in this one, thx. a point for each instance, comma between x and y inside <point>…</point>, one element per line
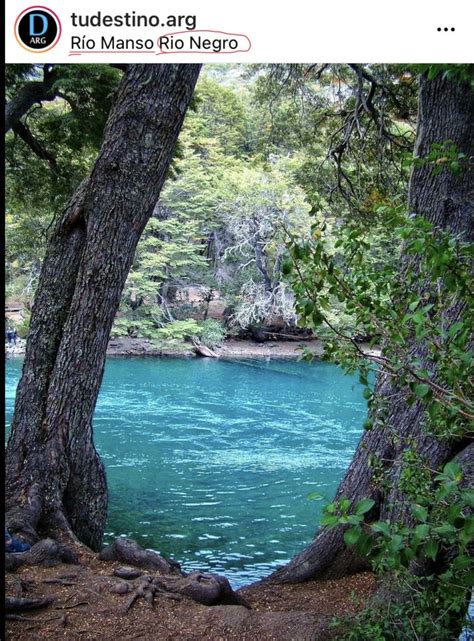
<point>85,608</point>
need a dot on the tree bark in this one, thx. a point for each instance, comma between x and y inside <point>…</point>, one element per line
<point>55,479</point>
<point>445,113</point>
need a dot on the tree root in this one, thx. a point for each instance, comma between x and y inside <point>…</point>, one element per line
<point>58,582</point>
<point>128,551</point>
<point>207,589</point>
<point>18,617</point>
<point>13,604</point>
<point>46,551</point>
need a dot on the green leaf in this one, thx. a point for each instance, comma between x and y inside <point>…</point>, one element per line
<point>421,389</point>
<point>453,471</point>
<point>420,512</point>
<point>364,506</point>
<point>468,528</point>
<point>286,267</point>
<point>317,317</point>
<point>445,530</point>
<point>431,549</point>
<point>381,526</point>
<point>344,504</point>
<point>351,536</point>
<point>468,497</point>
<point>330,520</point>
<point>422,531</point>
<point>308,308</point>
<point>462,562</point>
<point>396,543</point>
<point>364,544</point>
<point>455,328</point>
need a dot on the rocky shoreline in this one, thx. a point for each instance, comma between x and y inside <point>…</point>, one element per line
<point>126,346</point>
<point>232,348</point>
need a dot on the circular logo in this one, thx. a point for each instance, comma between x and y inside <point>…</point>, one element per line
<point>37,29</point>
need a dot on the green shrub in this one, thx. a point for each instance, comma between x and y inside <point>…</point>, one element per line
<point>213,333</point>
<point>179,330</point>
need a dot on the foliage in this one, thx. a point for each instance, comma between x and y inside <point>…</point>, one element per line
<point>387,304</point>
<point>176,334</point>
<point>458,72</point>
<point>434,605</point>
<point>69,128</point>
<point>212,333</point>
<point>402,308</point>
<point>21,326</point>
<point>248,171</point>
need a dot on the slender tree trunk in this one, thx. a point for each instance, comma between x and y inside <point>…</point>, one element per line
<point>55,479</point>
<point>445,113</point>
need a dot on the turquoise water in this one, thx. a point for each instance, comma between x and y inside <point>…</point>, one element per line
<point>211,462</point>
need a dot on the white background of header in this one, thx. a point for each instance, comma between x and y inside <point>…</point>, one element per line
<point>298,31</point>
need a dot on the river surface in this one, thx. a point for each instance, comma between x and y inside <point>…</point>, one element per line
<point>211,462</point>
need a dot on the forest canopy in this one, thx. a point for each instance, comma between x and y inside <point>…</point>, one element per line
<point>265,152</point>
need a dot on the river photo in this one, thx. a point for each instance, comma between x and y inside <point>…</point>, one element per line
<point>212,462</point>
<point>238,335</point>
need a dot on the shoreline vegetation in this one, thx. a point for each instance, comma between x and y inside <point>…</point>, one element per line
<point>230,349</point>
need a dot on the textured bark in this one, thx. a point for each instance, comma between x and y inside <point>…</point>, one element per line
<point>446,112</point>
<point>55,479</point>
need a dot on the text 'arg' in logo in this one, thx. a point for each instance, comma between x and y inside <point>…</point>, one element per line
<point>37,29</point>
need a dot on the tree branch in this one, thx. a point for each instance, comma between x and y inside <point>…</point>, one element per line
<point>25,134</point>
<point>31,93</point>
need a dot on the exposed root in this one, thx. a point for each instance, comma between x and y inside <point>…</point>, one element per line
<point>19,617</point>
<point>207,589</point>
<point>59,582</point>
<point>127,573</point>
<point>128,551</point>
<point>46,551</point>
<point>13,604</point>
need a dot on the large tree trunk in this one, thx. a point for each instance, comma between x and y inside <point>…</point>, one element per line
<point>55,479</point>
<point>445,113</point>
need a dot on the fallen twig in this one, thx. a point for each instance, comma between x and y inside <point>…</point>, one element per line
<point>74,605</point>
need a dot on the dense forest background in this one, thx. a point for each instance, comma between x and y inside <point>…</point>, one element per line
<point>266,153</point>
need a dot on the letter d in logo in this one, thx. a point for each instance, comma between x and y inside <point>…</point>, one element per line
<point>39,17</point>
